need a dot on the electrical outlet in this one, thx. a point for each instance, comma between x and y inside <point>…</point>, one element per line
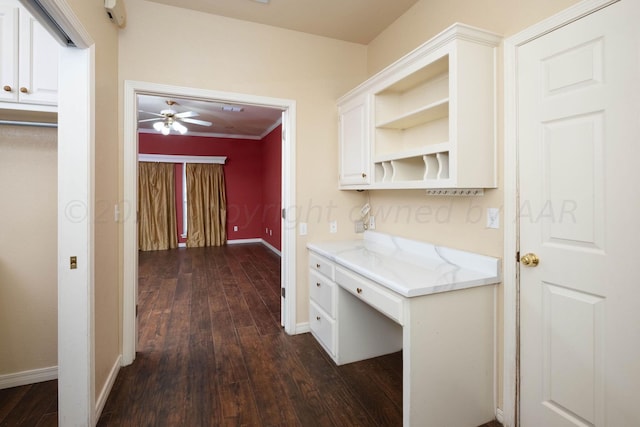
<point>493,218</point>
<point>359,225</point>
<point>302,228</point>
<point>235,228</point>
<point>270,232</point>
<point>333,226</point>
<point>372,222</point>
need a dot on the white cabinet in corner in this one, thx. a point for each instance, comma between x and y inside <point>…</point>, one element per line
<point>431,121</point>
<point>354,142</point>
<point>28,61</point>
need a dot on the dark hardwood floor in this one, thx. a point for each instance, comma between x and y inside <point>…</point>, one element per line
<point>212,353</point>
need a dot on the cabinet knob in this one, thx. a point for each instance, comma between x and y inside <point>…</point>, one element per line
<point>317,265</point>
<point>7,88</point>
<point>317,317</point>
<point>24,90</point>
<point>318,284</point>
<point>359,290</point>
<point>364,175</point>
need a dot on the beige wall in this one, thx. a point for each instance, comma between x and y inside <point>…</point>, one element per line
<point>107,186</point>
<point>217,53</point>
<point>28,248</point>
<point>456,222</point>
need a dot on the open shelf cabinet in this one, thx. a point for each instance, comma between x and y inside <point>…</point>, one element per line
<point>431,116</point>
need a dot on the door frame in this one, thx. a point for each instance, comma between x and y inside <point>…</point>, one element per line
<point>511,370</point>
<point>130,173</point>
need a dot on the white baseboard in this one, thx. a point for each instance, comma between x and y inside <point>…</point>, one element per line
<point>500,416</point>
<point>182,245</point>
<point>270,246</point>
<point>241,241</point>
<point>28,377</point>
<point>108,385</point>
<point>301,328</point>
<point>256,240</point>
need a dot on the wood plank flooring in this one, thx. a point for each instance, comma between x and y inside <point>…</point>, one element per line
<point>212,353</point>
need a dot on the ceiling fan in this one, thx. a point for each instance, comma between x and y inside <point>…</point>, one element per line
<point>170,119</point>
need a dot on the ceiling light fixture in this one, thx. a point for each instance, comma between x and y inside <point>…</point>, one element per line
<point>262,1</point>
<point>165,127</point>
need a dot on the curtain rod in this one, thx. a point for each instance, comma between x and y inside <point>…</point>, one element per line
<point>25,123</point>
<point>177,158</point>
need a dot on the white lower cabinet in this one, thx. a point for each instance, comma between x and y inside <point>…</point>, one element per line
<point>337,311</point>
<point>323,328</point>
<point>446,338</point>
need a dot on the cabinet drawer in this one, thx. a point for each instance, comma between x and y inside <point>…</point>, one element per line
<point>322,291</point>
<point>323,327</point>
<point>371,293</point>
<point>322,265</point>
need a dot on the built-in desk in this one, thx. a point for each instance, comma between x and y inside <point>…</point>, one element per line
<point>383,293</point>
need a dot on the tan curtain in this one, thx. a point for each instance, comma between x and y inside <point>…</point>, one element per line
<point>206,205</point>
<point>157,205</point>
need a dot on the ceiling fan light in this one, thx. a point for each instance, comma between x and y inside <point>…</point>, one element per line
<point>166,129</point>
<point>179,127</point>
<point>158,126</point>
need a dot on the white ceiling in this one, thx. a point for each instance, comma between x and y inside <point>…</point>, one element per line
<point>253,122</point>
<point>358,21</point>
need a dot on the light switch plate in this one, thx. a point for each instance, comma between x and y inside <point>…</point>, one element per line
<point>302,227</point>
<point>333,226</point>
<point>493,218</point>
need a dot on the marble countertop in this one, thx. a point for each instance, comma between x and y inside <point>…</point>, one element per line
<point>408,267</point>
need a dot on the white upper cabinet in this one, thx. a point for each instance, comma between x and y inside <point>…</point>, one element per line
<point>29,61</point>
<point>354,125</point>
<point>432,121</point>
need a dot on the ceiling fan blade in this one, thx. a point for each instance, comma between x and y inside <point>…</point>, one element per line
<point>197,122</point>
<point>151,120</point>
<point>149,112</point>
<point>186,114</point>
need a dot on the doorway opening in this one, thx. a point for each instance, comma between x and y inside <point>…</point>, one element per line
<point>133,90</point>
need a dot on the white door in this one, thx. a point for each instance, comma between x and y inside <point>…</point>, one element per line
<point>579,177</point>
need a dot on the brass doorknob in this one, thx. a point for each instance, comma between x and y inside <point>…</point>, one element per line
<point>24,90</point>
<point>530,260</point>
<point>7,88</point>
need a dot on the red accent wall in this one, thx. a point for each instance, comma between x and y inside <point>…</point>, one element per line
<point>272,187</point>
<point>252,177</point>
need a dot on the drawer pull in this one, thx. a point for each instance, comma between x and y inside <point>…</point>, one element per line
<point>7,88</point>
<point>317,317</point>
<point>24,90</point>
<point>359,290</point>
<point>318,284</point>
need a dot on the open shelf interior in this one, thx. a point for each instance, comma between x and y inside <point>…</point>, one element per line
<point>413,113</point>
<point>416,99</point>
<point>390,141</point>
<point>418,168</point>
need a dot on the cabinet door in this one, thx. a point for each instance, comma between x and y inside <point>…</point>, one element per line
<point>38,76</point>
<point>8,52</point>
<point>354,143</point>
